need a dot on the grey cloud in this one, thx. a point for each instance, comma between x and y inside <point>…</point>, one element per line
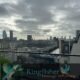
<point>26,24</point>
<point>40,10</point>
<point>34,32</point>
<point>46,30</point>
<point>73,16</point>
<point>3,11</point>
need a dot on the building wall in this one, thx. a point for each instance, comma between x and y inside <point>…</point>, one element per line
<point>75,51</point>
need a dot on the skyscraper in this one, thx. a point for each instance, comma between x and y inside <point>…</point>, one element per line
<point>4,34</point>
<point>78,33</point>
<point>11,35</point>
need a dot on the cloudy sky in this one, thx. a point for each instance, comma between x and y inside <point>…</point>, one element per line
<point>40,17</point>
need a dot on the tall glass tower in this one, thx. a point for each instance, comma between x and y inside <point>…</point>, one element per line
<point>4,34</point>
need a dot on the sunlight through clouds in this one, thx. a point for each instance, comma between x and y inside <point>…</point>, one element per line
<point>8,1</point>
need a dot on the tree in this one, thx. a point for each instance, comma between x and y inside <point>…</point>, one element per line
<point>4,60</point>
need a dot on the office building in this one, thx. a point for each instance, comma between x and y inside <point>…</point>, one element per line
<point>77,34</point>
<point>4,34</point>
<point>11,35</point>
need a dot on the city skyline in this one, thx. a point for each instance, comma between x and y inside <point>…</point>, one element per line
<point>40,17</point>
<point>10,34</point>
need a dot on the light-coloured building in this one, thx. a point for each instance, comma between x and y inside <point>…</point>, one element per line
<point>75,51</point>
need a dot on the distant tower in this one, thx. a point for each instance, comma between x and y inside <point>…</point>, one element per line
<point>11,35</point>
<point>29,37</point>
<point>4,34</point>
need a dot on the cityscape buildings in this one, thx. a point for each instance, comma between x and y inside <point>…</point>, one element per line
<point>39,51</point>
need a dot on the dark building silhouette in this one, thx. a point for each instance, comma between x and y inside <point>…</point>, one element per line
<point>78,33</point>
<point>4,34</point>
<point>11,35</point>
<point>65,47</point>
<point>29,37</point>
